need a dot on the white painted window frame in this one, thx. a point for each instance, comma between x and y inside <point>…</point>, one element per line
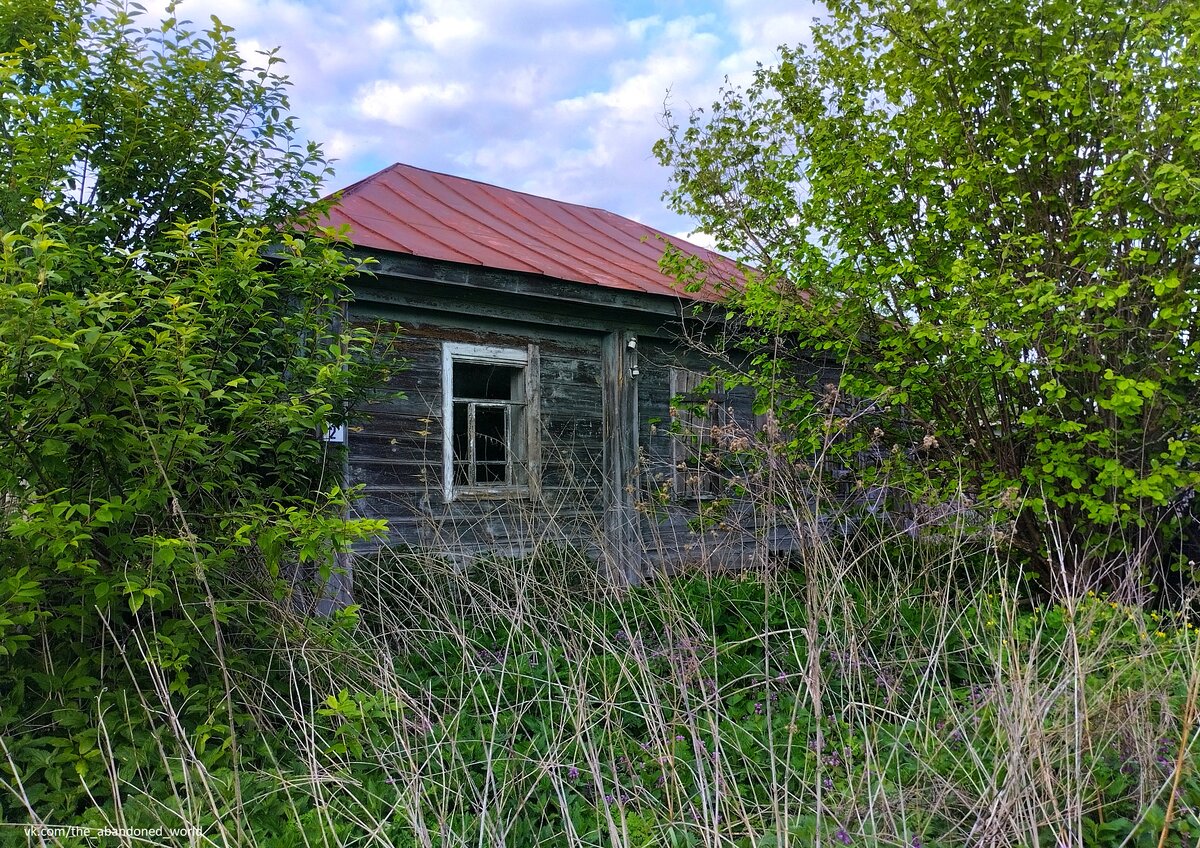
<point>453,352</point>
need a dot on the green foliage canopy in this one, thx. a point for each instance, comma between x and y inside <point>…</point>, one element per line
<point>986,216</point>
<point>163,384</point>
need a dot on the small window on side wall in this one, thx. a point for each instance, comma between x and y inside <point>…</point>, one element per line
<point>485,413</point>
<point>698,410</point>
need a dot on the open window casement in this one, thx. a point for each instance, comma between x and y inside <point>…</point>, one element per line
<point>488,401</point>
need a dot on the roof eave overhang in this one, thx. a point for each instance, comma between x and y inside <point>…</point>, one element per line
<point>390,271</point>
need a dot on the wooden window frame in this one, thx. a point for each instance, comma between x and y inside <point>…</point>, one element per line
<point>520,415</point>
<point>692,480</point>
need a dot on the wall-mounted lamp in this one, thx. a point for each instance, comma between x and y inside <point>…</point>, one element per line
<point>633,363</point>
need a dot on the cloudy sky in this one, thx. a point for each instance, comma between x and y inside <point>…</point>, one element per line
<point>556,97</point>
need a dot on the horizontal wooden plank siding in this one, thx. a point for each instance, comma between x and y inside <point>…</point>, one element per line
<point>448,317</point>
<point>396,444</point>
<point>671,529</point>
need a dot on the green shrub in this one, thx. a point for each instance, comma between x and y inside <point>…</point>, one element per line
<point>976,218</point>
<point>170,354</point>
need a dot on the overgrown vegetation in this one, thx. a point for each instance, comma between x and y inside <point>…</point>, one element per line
<point>526,704</point>
<point>172,352</point>
<point>163,387</point>
<point>982,216</point>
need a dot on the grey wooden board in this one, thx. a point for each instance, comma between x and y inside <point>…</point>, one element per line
<point>406,274</point>
<point>669,531</point>
<point>395,445</point>
<point>595,465</point>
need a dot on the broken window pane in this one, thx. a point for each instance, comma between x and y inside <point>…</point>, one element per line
<point>487,435</point>
<point>484,382</point>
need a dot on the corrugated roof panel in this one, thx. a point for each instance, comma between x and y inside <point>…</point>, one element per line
<point>497,221</point>
<point>437,216</point>
<point>613,263</point>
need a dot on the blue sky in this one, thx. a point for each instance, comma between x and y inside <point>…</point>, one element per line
<point>556,97</point>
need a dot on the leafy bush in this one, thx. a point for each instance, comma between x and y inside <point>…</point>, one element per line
<point>171,353</point>
<point>979,217</point>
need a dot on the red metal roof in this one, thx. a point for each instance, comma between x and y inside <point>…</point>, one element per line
<point>436,216</point>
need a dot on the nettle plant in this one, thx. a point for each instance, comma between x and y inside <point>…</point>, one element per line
<point>172,348</point>
<point>985,216</point>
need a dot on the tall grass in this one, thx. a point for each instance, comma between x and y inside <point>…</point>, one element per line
<point>869,691</point>
<point>884,683</point>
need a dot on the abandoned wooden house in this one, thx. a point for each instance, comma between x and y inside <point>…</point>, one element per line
<point>542,346</point>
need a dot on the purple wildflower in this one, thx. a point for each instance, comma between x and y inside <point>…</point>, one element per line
<point>841,836</point>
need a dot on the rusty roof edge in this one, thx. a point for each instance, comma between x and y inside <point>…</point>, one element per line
<point>545,245</point>
<point>499,188</point>
<point>710,258</point>
<point>538,197</point>
<point>530,268</point>
<point>354,186</point>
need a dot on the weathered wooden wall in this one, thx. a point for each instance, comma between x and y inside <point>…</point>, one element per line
<point>670,510</point>
<point>396,448</point>
<point>605,436</point>
<point>396,454</point>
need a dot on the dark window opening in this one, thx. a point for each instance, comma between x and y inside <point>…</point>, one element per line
<point>485,382</point>
<point>488,432</point>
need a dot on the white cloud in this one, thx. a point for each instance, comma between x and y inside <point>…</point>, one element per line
<point>409,106</point>
<point>700,238</point>
<point>385,32</point>
<point>581,42</point>
<point>558,97</point>
<point>341,145</point>
<point>445,32</point>
<point>638,27</point>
